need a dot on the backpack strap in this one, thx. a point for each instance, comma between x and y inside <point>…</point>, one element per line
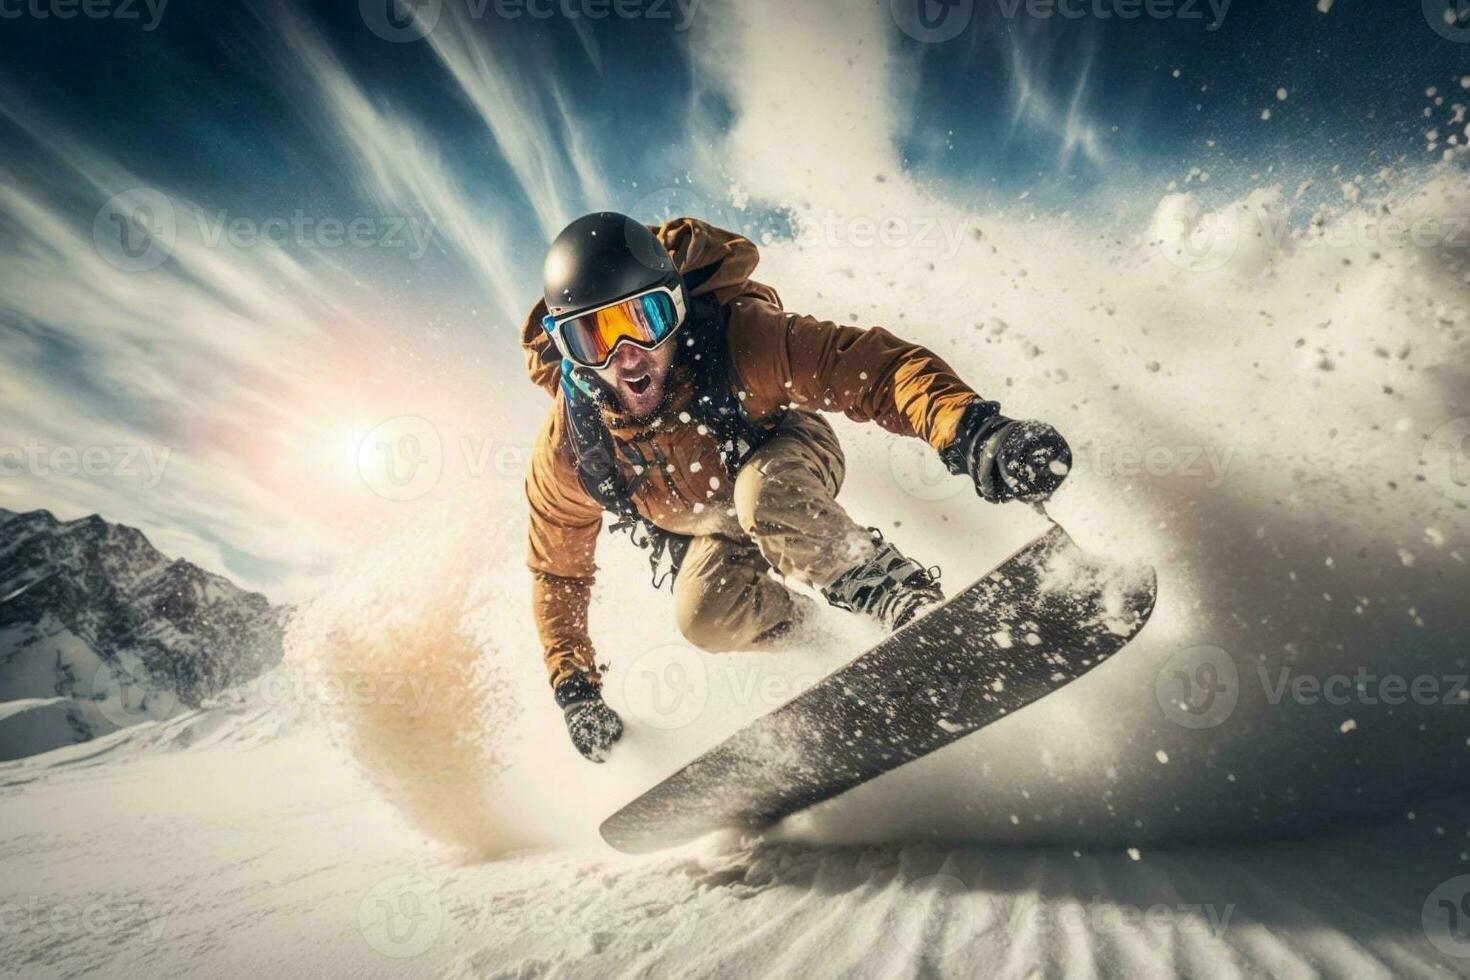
<point>717,400</point>
<point>597,469</point>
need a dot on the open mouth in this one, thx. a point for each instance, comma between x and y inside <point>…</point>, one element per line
<point>639,384</point>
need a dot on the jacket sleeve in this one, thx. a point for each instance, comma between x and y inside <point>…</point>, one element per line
<point>869,375</point>
<point>564,524</point>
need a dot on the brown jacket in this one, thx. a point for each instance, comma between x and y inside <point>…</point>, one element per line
<point>780,360</point>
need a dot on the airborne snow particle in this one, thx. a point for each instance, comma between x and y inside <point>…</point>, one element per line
<point>1281,95</point>
<point>1265,115</point>
<point>1162,756</point>
<point>1348,726</point>
<point>1135,854</point>
<point>1324,5</point>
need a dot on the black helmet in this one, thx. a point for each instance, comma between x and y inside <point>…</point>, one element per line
<point>601,258</point>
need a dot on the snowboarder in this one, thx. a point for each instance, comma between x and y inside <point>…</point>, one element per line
<point>686,402</point>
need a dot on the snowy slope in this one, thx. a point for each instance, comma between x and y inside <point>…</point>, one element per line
<point>275,859</point>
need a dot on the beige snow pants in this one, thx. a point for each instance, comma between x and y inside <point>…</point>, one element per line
<point>725,597</point>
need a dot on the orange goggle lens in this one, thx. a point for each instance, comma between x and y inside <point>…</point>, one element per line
<point>646,320</point>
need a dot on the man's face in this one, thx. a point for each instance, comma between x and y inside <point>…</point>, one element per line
<point>639,376</point>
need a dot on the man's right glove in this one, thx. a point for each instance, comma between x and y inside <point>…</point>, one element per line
<point>594,726</point>
<point>1008,460</point>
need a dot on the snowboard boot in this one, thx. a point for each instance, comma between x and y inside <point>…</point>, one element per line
<point>888,587</point>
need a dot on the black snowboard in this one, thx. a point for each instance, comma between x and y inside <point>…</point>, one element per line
<point>1044,617</point>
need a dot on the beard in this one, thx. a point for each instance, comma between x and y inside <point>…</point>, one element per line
<point>647,405</point>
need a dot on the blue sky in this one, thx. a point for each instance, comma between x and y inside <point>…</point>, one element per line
<point>490,132</point>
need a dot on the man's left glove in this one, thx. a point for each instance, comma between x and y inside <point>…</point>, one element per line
<point>1008,460</point>
<point>594,726</point>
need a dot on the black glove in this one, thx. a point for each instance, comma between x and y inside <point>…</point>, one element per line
<point>1008,460</point>
<point>594,726</point>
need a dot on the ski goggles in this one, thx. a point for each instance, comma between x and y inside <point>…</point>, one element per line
<point>645,320</point>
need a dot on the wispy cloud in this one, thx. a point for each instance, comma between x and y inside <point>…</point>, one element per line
<point>208,351</point>
<point>1034,106</point>
<point>400,168</point>
<point>532,131</point>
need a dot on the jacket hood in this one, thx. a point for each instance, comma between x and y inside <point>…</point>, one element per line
<point>713,261</point>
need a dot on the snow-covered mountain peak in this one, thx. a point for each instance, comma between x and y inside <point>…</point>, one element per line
<point>90,610</point>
